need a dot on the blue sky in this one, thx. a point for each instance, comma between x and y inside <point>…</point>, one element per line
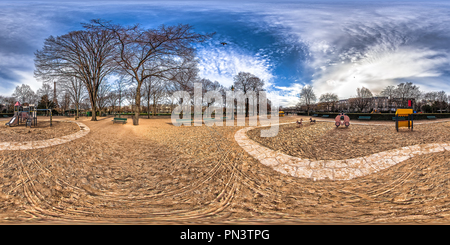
<point>335,46</point>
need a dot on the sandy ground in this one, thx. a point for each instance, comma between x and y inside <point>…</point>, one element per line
<point>325,141</point>
<point>157,173</point>
<point>42,131</point>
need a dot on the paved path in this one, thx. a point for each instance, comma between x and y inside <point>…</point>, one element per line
<point>332,169</point>
<point>30,145</point>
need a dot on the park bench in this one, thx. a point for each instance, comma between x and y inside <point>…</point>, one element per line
<point>5,116</point>
<point>121,120</point>
<point>364,117</point>
<point>431,117</point>
<point>315,115</point>
<point>325,115</point>
<point>399,118</point>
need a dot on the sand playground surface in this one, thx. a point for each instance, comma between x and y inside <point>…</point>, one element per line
<point>156,173</point>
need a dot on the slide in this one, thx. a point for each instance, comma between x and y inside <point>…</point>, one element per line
<point>12,122</point>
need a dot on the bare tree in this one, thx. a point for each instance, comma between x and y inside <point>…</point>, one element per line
<point>8,103</point>
<point>184,79</point>
<point>362,99</point>
<point>307,97</point>
<point>24,94</point>
<point>130,96</point>
<point>151,53</point>
<point>247,82</point>
<point>76,90</point>
<point>119,87</point>
<point>430,98</point>
<point>46,97</point>
<point>329,99</point>
<point>102,96</point>
<point>64,101</point>
<point>159,90</point>
<point>153,90</point>
<point>112,98</point>
<point>85,104</point>
<point>441,98</point>
<point>406,91</point>
<point>86,55</point>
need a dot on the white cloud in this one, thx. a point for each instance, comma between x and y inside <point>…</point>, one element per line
<point>222,63</point>
<point>368,45</point>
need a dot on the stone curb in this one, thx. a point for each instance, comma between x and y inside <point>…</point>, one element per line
<point>31,145</point>
<point>332,169</point>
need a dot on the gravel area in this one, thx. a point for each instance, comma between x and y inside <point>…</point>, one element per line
<point>324,141</point>
<point>156,173</point>
<point>43,131</point>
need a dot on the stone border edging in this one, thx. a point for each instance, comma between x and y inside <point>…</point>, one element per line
<point>332,169</point>
<point>30,145</point>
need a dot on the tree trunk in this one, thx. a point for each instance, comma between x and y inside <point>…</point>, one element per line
<point>148,107</point>
<point>76,106</point>
<point>137,109</point>
<point>94,108</point>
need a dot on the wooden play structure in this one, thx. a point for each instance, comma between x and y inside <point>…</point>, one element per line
<point>404,118</point>
<point>342,119</point>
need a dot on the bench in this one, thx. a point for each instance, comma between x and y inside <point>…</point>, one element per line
<point>121,120</point>
<point>5,116</point>
<point>431,117</point>
<point>364,117</point>
<point>325,115</point>
<point>399,118</point>
<point>315,115</point>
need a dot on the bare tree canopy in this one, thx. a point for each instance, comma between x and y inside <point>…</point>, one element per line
<point>388,92</point>
<point>86,55</point>
<point>363,93</point>
<point>307,97</point>
<point>329,99</point>
<point>144,53</point>
<point>362,99</point>
<point>24,94</point>
<point>247,82</point>
<point>119,87</point>
<point>76,90</point>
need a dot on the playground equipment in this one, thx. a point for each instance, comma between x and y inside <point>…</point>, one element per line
<point>311,120</point>
<point>407,118</point>
<point>281,114</point>
<point>300,123</point>
<point>26,114</point>
<point>342,117</point>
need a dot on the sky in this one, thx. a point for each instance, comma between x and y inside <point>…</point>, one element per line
<point>333,46</point>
